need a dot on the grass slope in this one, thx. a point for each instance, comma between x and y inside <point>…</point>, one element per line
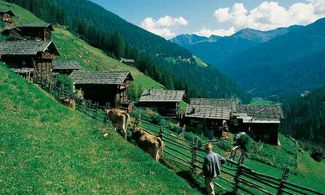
<point>73,48</point>
<point>47,148</point>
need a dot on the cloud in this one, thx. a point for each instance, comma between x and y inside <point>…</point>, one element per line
<point>220,32</point>
<point>270,15</point>
<point>163,26</point>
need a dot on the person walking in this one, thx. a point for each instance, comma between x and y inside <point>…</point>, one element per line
<point>211,167</point>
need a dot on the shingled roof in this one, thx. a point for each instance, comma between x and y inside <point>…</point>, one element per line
<point>7,11</point>
<point>260,114</point>
<point>228,103</point>
<point>154,95</point>
<point>108,78</point>
<point>66,65</point>
<point>43,25</point>
<point>30,47</point>
<point>207,112</point>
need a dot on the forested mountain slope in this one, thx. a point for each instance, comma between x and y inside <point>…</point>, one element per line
<point>305,116</point>
<point>215,50</point>
<point>119,38</point>
<point>290,63</point>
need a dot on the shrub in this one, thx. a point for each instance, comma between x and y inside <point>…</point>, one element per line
<point>65,83</point>
<point>317,153</point>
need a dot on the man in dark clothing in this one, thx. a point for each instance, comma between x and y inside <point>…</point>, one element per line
<point>211,167</point>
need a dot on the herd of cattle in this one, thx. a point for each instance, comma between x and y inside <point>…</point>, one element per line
<point>120,120</point>
<point>149,143</point>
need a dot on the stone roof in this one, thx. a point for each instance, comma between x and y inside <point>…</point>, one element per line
<point>66,65</point>
<point>27,47</point>
<point>207,112</point>
<point>107,78</point>
<point>260,114</point>
<point>228,103</point>
<point>154,95</point>
<point>3,11</point>
<point>43,25</point>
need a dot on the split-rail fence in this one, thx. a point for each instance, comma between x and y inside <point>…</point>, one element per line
<point>189,156</point>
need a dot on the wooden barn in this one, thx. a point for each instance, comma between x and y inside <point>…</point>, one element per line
<point>263,121</point>
<point>30,31</point>
<point>7,16</point>
<point>103,87</point>
<point>127,61</point>
<point>29,58</point>
<point>206,119</point>
<point>231,104</point>
<point>65,67</point>
<point>165,101</point>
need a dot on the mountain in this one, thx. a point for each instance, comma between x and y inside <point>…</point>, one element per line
<point>274,63</point>
<point>290,63</point>
<point>215,49</point>
<point>305,116</point>
<point>155,56</point>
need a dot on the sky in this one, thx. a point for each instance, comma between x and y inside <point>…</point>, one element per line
<point>169,18</point>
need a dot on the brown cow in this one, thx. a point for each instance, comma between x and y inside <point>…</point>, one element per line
<point>120,119</point>
<point>69,102</point>
<point>149,143</point>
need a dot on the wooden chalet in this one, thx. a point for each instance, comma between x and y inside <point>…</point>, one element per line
<point>127,61</point>
<point>103,87</point>
<point>165,101</point>
<point>230,104</point>
<point>6,16</point>
<point>206,118</point>
<point>30,31</point>
<point>29,58</point>
<point>65,67</point>
<point>263,121</point>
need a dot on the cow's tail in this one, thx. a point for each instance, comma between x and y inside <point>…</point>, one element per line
<point>161,146</point>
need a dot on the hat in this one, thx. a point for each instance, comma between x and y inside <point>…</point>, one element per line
<point>208,146</point>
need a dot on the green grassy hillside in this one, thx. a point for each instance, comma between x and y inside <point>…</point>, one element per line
<point>47,148</point>
<point>73,48</point>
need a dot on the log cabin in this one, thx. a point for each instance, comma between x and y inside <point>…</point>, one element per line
<point>7,16</point>
<point>30,31</point>
<point>206,119</point>
<point>65,67</point>
<point>165,101</point>
<point>104,88</point>
<point>263,121</point>
<point>231,104</point>
<point>30,59</point>
<point>127,61</point>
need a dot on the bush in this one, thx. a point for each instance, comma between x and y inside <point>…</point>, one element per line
<point>65,83</point>
<point>317,153</point>
<point>156,119</point>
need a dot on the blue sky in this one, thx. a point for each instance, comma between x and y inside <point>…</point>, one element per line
<point>169,18</point>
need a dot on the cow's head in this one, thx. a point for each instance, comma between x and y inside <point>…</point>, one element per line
<point>137,129</point>
<point>107,111</point>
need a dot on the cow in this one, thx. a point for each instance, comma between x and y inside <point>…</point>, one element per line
<point>149,143</point>
<point>120,120</point>
<point>69,102</point>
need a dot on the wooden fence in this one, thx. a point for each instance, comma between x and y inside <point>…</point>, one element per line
<point>189,156</point>
<point>235,177</point>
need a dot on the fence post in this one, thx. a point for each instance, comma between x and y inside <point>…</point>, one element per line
<point>194,153</point>
<point>284,178</point>
<point>137,121</point>
<point>161,132</point>
<point>238,173</point>
<point>96,110</point>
